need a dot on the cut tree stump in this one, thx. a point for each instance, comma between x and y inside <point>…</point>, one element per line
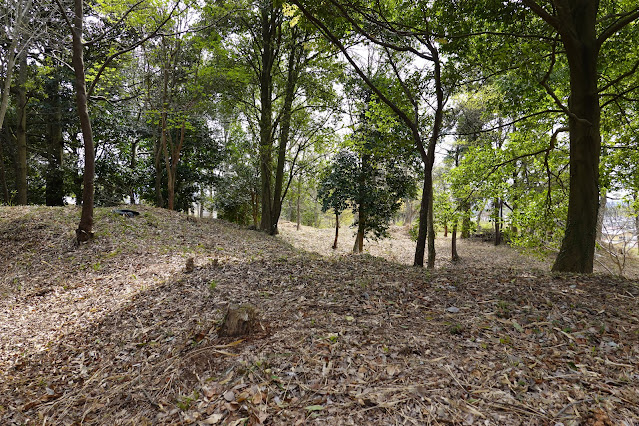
<point>240,321</point>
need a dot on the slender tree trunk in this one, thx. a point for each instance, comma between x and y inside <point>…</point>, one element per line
<point>336,230</point>
<point>55,147</point>
<point>133,165</point>
<point>579,37</point>
<point>21,131</point>
<point>454,256</point>
<point>429,158</point>
<point>85,227</point>
<point>445,229</point>
<point>299,198</point>
<point>603,200</point>
<point>3,177</point>
<point>498,220</point>
<point>431,232</point>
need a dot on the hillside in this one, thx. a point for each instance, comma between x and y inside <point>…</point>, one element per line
<point>117,331</point>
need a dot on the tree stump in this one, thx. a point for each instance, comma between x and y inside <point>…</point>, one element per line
<point>239,321</point>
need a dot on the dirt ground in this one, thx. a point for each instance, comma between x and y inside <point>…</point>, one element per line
<point>119,331</point>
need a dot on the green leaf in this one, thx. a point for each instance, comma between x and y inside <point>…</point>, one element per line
<point>311,408</point>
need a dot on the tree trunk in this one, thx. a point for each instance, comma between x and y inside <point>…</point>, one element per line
<point>431,232</point>
<point>157,163</point>
<point>85,227</point>
<point>285,130</point>
<point>454,256</point>
<point>445,229</point>
<point>578,33</point>
<point>603,200</point>
<point>3,177</point>
<point>465,231</point>
<point>55,146</point>
<point>267,19</point>
<point>361,227</point>
<point>429,158</point>
<point>336,230</point>
<point>498,218</point>
<point>299,197</point>
<point>21,131</point>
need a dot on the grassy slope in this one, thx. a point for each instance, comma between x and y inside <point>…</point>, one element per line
<point>115,332</point>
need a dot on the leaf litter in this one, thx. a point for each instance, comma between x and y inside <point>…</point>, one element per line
<point>120,331</point>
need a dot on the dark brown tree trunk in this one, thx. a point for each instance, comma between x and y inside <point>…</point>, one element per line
<point>55,148</point>
<point>85,227</point>
<point>336,230</point>
<point>21,131</point>
<point>579,37</point>
<point>428,158</point>
<point>454,256</point>
<point>268,24</point>
<point>3,177</point>
<point>133,165</point>
<point>445,229</point>
<point>294,59</point>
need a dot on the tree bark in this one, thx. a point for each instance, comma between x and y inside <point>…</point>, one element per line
<point>336,230</point>
<point>268,24</point>
<point>603,200</point>
<point>578,33</point>
<point>498,220</point>
<point>85,227</point>
<point>21,131</point>
<point>3,177</point>
<point>454,256</point>
<point>294,59</point>
<point>431,232</point>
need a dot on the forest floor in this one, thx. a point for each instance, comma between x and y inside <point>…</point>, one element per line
<point>119,331</point>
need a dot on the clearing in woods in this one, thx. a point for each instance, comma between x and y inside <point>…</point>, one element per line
<point>119,331</point>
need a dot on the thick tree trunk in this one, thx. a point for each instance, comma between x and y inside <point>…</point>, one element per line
<point>21,132</point>
<point>85,227</point>
<point>580,42</point>
<point>266,111</point>
<point>465,231</point>
<point>55,147</point>
<point>422,232</point>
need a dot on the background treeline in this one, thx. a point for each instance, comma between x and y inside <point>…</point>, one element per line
<point>442,114</point>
